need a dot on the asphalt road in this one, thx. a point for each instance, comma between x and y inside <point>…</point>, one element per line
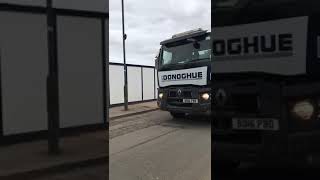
<point>99,172</point>
<point>154,146</point>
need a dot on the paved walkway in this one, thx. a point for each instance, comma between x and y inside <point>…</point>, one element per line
<point>29,160</point>
<point>119,112</point>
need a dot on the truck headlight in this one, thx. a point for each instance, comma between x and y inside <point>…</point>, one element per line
<point>303,109</point>
<point>160,95</point>
<point>205,96</point>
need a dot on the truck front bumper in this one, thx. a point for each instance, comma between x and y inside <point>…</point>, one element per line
<point>292,150</point>
<point>223,151</point>
<point>173,102</point>
<point>195,109</point>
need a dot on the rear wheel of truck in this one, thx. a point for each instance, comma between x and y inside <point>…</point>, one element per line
<point>177,115</point>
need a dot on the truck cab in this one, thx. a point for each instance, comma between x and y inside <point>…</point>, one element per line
<point>183,68</point>
<point>265,83</point>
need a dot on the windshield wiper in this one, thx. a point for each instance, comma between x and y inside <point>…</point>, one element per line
<point>197,59</point>
<point>185,62</point>
<point>173,64</point>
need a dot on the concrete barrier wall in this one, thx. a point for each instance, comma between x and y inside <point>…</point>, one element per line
<point>142,83</point>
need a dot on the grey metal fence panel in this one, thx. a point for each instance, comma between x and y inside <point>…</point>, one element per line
<point>25,2</point>
<point>134,84</point>
<point>87,5</point>
<point>141,83</point>
<point>24,68</point>
<point>116,83</point>
<point>80,72</point>
<point>101,6</point>
<point>148,83</point>
<point>24,64</point>
<point>156,84</point>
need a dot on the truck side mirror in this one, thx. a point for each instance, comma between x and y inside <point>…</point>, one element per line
<point>157,60</point>
<point>196,45</point>
<point>156,63</point>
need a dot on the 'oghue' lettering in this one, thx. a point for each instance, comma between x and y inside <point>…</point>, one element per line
<point>182,76</point>
<point>256,44</point>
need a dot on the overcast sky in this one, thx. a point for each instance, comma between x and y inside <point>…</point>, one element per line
<point>148,22</point>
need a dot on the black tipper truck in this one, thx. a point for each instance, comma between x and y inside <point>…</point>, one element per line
<point>265,83</point>
<point>184,68</point>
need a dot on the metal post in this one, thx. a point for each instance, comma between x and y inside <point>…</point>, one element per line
<point>124,37</point>
<point>52,84</point>
<point>105,70</point>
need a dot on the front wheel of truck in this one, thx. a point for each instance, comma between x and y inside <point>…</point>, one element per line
<point>177,115</point>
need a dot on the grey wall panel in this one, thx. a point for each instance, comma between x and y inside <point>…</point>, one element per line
<point>116,81</point>
<point>134,84</point>
<point>148,83</point>
<point>80,71</point>
<point>88,5</point>
<point>25,2</point>
<point>23,46</point>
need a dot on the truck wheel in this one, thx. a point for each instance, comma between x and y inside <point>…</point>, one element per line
<point>177,115</point>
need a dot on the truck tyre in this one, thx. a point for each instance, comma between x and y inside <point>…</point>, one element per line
<point>177,115</point>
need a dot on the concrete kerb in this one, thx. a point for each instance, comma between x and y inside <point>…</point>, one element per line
<point>64,167</point>
<point>133,114</point>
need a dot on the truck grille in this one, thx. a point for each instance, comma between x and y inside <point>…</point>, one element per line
<point>242,103</point>
<point>184,94</point>
<point>246,103</point>
<point>174,99</point>
<point>172,94</point>
<point>187,94</point>
<point>240,100</point>
<point>178,102</point>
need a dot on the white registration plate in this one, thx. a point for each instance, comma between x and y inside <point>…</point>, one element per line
<point>255,124</point>
<point>190,101</point>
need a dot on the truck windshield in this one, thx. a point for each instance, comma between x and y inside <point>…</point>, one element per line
<point>224,3</point>
<point>181,53</point>
<point>232,12</point>
<point>245,3</point>
<point>243,15</point>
